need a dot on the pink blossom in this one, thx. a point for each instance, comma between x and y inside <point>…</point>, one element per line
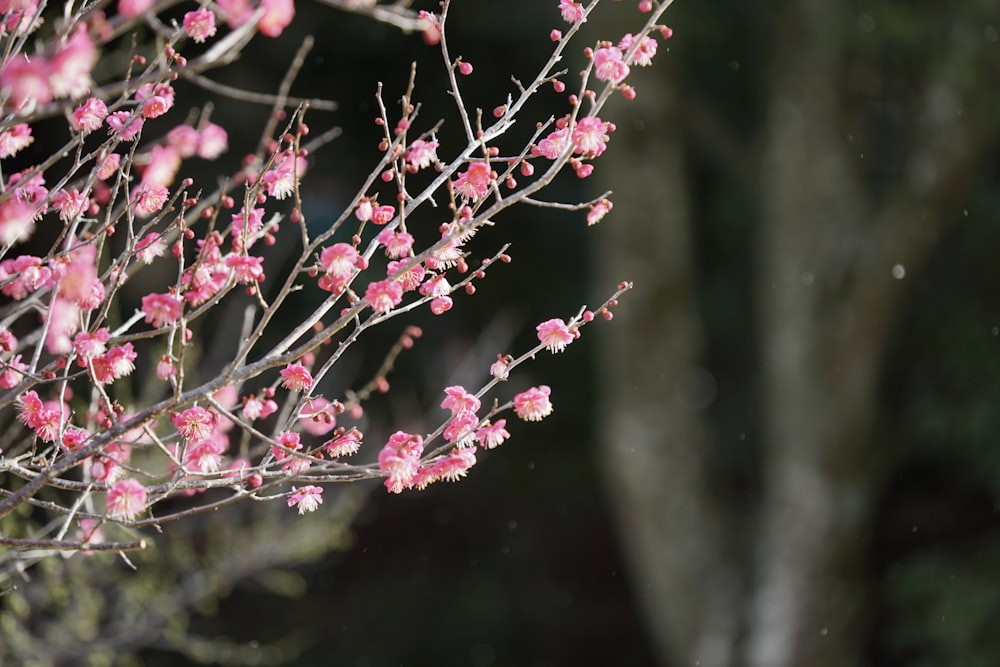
<point>133,8</point>
<point>475,182</point>
<point>296,377</point>
<point>397,244</point>
<point>235,12</point>
<point>383,214</point>
<point>74,437</point>
<point>590,136</point>
<point>199,24</point>
<point>343,445</point>
<point>89,116</point>
<point>308,498</point>
<point>421,154</point>
<point>161,165</point>
<point>208,276</point>
<point>109,166</point>
<point>453,467</point>
<point>31,411</point>
<point>431,27</point>
<point>89,346</point>
<point>212,141</point>
<point>554,334</point>
<point>364,209</point>
<point>25,81</point>
<point>409,279</point>
<point>113,364</point>
<point>609,65</point>
<point>17,221</point>
<point>165,368</point>
<point>8,341</point>
<point>69,70</point>
<point>206,456</point>
<point>148,199</point>
<point>12,372</point>
<point>194,424</point>
<point>71,204</point>
<point>461,429</point>
<point>384,295</point>
<point>150,247</point>
<point>277,15</point>
<point>554,144</point>
<point>23,275</point>
<point>436,285</point>
<point>22,17</point>
<point>63,322</point>
<point>161,310</point>
<point>643,55</point>
<point>533,404</point>
<point>125,125</point>
<point>460,401</point>
<point>399,460</point>
<point>78,278</point>
<point>258,407</point>
<point>246,269</point>
<point>492,435</point>
<point>572,12</point>
<point>184,139</point>
<point>246,227</point>
<point>441,305</point>
<point>598,211</point>
<point>15,139</point>
<point>126,499</point>
<point>500,369</point>
<point>288,440</point>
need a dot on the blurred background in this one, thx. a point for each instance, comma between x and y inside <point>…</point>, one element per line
<point>782,452</point>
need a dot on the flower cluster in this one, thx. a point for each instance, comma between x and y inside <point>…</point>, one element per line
<point>144,267</point>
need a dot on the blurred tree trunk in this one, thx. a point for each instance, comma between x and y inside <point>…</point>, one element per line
<point>654,433</point>
<point>832,259</point>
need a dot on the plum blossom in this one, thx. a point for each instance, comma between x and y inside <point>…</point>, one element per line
<point>69,69</point>
<point>533,404</point>
<point>492,435</point>
<point>307,499</point>
<point>397,244</point>
<point>554,335</point>
<point>643,56</point>
<point>384,295</point>
<point>475,182</point>
<point>572,12</point>
<point>609,65</point>
<point>161,309</point>
<point>212,141</point>
<point>125,124</point>
<point>296,377</point>
<point>590,136</point>
<point>126,499</point>
<point>598,211</point>
<point>343,445</point>
<point>553,145</point>
<point>89,116</point>
<point>421,154</point>
<point>277,15</point>
<point>148,199</point>
<point>194,424</point>
<point>71,204</point>
<point>399,460</point>
<point>15,139</point>
<point>199,25</point>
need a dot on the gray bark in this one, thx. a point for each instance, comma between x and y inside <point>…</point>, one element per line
<point>653,431</point>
